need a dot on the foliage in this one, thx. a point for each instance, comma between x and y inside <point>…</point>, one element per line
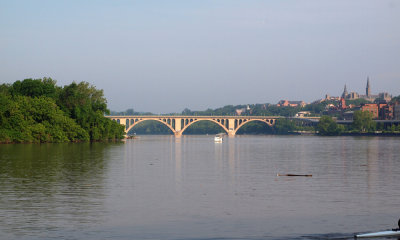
<point>255,127</point>
<point>204,127</point>
<point>362,121</point>
<point>39,111</point>
<point>226,110</point>
<point>357,102</point>
<point>328,127</point>
<point>25,119</point>
<point>284,126</point>
<point>87,106</point>
<point>254,109</point>
<point>150,127</point>
<point>35,87</point>
<point>129,112</point>
<point>316,107</point>
<point>395,99</point>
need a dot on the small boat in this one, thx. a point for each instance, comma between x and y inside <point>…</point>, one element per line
<point>386,233</point>
<point>218,138</point>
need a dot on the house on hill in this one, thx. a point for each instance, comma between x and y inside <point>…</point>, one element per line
<point>286,103</point>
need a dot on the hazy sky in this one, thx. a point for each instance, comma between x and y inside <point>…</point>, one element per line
<point>164,56</point>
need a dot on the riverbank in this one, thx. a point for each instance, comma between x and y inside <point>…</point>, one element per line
<point>372,134</point>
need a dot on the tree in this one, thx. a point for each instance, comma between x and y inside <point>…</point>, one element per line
<point>328,127</point>
<point>186,112</point>
<point>362,121</point>
<point>87,105</point>
<point>395,99</point>
<point>256,127</point>
<point>39,111</point>
<point>284,126</point>
<point>356,102</point>
<point>130,112</point>
<point>35,87</point>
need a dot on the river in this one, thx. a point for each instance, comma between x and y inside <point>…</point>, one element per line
<point>162,187</point>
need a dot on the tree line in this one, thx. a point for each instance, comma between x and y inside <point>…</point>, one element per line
<point>38,111</point>
<point>362,123</point>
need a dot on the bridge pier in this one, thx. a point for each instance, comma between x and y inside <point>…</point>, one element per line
<point>231,128</point>
<point>178,134</point>
<point>231,134</point>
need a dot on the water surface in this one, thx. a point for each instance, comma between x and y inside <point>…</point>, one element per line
<point>160,187</point>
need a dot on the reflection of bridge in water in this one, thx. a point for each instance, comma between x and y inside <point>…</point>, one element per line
<point>178,124</point>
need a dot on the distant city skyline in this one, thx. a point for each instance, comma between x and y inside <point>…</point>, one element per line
<point>165,56</point>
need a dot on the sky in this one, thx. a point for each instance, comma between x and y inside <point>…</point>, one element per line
<point>165,56</point>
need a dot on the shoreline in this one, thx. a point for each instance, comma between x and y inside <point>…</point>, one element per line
<point>288,134</point>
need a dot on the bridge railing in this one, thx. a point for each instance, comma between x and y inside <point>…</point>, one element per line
<point>191,116</point>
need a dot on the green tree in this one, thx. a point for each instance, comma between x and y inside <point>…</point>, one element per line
<point>30,112</point>
<point>35,87</point>
<point>255,127</point>
<point>357,102</point>
<point>395,99</point>
<point>363,122</point>
<point>186,112</point>
<point>328,127</point>
<point>284,126</point>
<point>87,105</point>
<point>39,119</point>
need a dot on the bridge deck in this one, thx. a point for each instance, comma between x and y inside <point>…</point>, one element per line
<point>198,116</point>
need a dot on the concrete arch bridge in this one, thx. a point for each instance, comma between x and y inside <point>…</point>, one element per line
<point>178,124</point>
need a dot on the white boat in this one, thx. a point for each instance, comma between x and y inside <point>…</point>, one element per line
<point>218,138</point>
<point>388,233</point>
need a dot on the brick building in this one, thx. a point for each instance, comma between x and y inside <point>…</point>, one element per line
<point>286,103</point>
<point>396,112</point>
<point>371,107</point>
<point>382,111</point>
<point>385,111</point>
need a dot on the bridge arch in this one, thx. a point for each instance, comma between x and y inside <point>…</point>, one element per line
<point>137,121</point>
<point>189,123</point>
<point>269,122</point>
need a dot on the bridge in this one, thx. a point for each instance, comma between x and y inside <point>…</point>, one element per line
<point>178,124</point>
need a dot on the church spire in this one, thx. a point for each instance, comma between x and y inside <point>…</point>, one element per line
<point>368,88</point>
<point>345,93</point>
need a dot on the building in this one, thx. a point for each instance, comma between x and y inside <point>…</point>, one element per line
<point>396,112</point>
<point>240,111</point>
<point>371,107</point>
<point>348,115</point>
<point>385,96</point>
<point>353,96</point>
<point>368,89</point>
<point>286,103</point>
<point>303,114</point>
<point>345,93</point>
<point>381,111</point>
<point>368,94</point>
<point>330,98</point>
<point>342,104</point>
<point>385,111</point>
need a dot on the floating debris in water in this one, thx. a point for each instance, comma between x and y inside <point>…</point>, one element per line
<point>294,175</point>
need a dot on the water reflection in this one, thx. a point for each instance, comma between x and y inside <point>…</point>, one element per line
<point>50,186</point>
<point>178,162</point>
<point>161,187</point>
